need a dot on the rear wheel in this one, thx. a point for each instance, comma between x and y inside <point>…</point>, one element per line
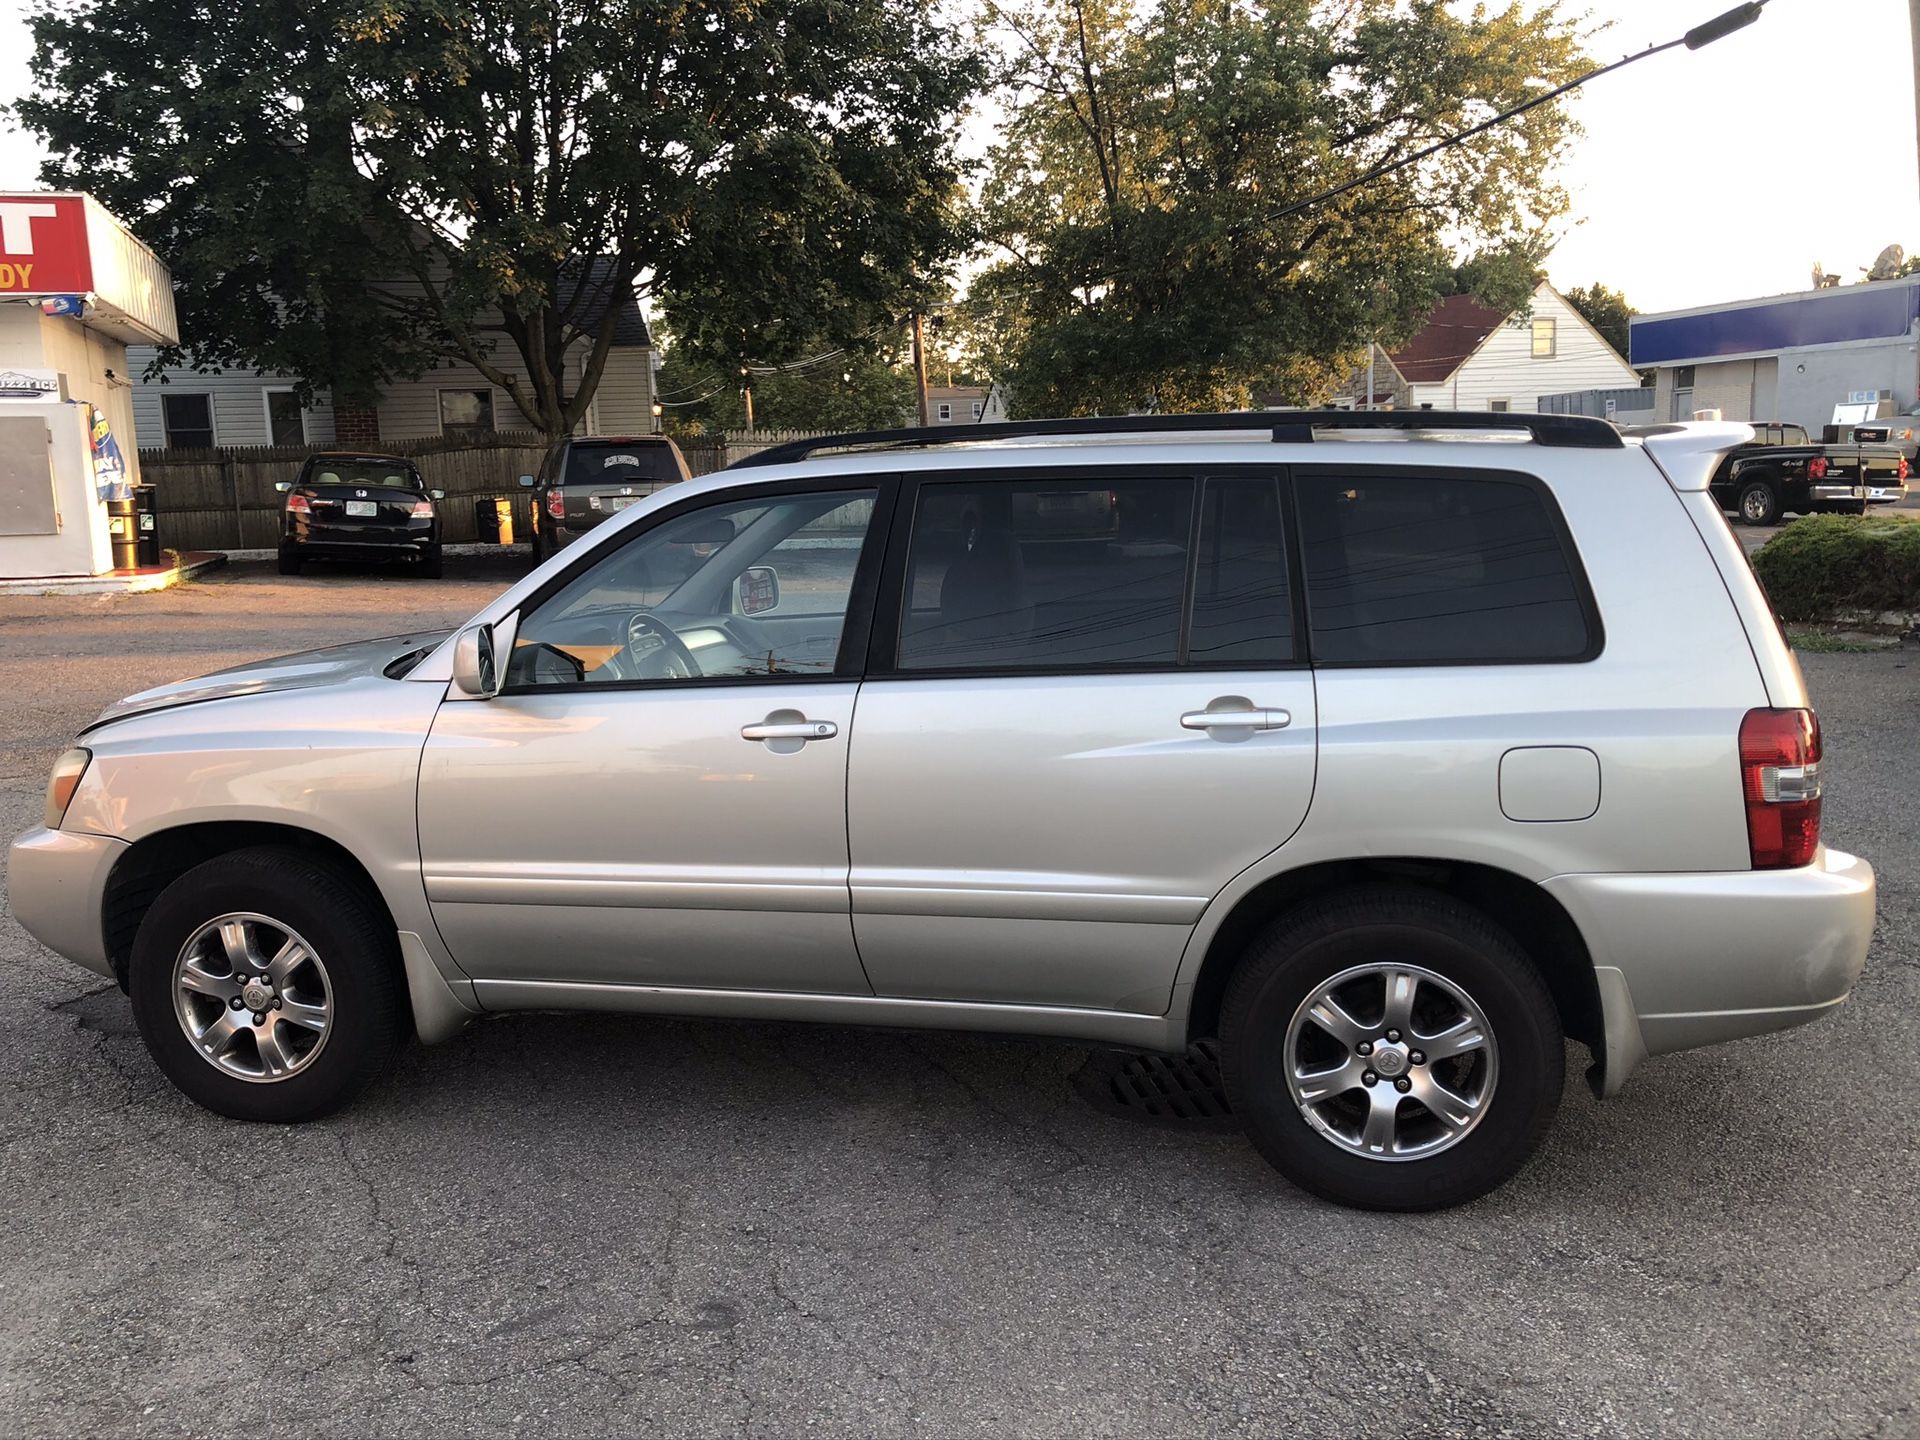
<point>430,563</point>
<point>1759,504</point>
<point>266,985</point>
<point>1391,1049</point>
<point>289,560</point>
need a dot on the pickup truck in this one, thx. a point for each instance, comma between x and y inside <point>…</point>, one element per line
<point>1782,471</point>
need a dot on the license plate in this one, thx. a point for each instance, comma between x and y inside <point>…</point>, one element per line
<point>363,509</point>
<point>621,502</point>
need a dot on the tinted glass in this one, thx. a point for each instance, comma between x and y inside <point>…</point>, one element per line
<point>677,602</point>
<point>618,464</point>
<point>1242,609</point>
<point>1420,570</point>
<point>360,470</point>
<point>1046,574</point>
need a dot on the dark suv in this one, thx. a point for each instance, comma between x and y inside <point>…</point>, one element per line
<point>584,479</point>
<point>359,507</point>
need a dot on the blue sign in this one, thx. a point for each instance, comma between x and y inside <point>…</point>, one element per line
<point>74,305</point>
<point>1874,311</point>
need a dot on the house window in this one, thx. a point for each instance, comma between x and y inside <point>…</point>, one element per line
<point>976,409</point>
<point>1543,337</point>
<point>1499,407</point>
<point>946,410</point>
<point>466,413</point>
<point>188,420</point>
<point>286,421</point>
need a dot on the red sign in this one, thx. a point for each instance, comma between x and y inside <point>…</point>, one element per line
<point>43,245</point>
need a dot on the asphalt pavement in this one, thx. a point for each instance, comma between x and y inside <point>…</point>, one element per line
<point>596,1226</point>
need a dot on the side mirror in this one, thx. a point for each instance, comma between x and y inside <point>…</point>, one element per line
<point>756,591</point>
<point>436,494</point>
<point>526,482</point>
<point>474,672</point>
<point>283,486</point>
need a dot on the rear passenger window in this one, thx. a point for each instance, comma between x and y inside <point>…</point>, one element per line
<point>1426,570</point>
<point>1242,609</point>
<point>1046,575</point>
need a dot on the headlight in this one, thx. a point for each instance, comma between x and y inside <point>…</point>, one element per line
<point>67,771</point>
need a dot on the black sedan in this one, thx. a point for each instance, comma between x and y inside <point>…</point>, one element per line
<point>359,507</point>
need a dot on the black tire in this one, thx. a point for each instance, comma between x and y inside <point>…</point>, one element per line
<point>1759,503</point>
<point>1296,958</point>
<point>289,560</point>
<point>539,546</point>
<point>431,566</point>
<point>345,926</point>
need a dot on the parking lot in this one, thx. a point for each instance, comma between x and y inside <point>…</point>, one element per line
<point>596,1225</point>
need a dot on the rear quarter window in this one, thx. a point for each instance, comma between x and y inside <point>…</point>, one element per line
<point>1422,569</point>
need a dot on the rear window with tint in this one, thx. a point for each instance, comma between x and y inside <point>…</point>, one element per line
<point>618,464</point>
<point>339,470</point>
<point>1428,570</point>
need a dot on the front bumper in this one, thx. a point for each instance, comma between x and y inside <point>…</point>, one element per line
<point>1695,959</point>
<point>57,885</point>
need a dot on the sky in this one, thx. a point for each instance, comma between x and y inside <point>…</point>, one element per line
<point>1704,175</point>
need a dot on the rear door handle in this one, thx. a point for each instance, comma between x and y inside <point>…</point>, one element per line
<point>790,730</point>
<point>1249,719</point>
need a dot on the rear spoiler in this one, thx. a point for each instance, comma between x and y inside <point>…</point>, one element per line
<point>1689,451</point>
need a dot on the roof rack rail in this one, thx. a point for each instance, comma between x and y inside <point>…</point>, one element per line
<point>1291,427</point>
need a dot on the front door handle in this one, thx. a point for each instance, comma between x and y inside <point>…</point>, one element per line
<point>771,729</point>
<point>1249,718</point>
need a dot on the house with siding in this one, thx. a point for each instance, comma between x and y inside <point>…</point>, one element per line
<point>1470,356</point>
<point>185,409</point>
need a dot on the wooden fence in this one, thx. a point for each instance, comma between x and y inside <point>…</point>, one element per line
<point>225,500</point>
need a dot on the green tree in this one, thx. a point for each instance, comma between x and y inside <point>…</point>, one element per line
<point>1606,310</point>
<point>350,190</point>
<point>825,389</point>
<point>1130,203</point>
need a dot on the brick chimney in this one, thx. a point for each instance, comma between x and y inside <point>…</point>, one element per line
<point>356,425</point>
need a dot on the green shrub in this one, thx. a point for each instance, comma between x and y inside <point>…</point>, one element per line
<point>1825,566</point>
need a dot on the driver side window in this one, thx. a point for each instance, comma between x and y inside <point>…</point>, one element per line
<point>739,589</point>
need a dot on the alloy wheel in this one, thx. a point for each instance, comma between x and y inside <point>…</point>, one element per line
<point>1391,1062</point>
<point>253,997</point>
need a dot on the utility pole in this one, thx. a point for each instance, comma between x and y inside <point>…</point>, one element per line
<point>1371,347</point>
<point>920,356</point>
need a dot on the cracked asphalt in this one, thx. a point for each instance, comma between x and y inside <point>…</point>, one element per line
<point>593,1226</point>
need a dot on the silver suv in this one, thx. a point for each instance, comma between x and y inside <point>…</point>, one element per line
<point>1389,750</point>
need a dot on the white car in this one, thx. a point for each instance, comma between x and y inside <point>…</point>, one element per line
<point>1388,749</point>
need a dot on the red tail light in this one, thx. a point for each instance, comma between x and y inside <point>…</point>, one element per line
<point>557,504</point>
<point>1817,468</point>
<point>422,510</point>
<point>1780,780</point>
<point>297,504</point>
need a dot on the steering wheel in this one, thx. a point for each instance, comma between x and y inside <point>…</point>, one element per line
<point>655,652</point>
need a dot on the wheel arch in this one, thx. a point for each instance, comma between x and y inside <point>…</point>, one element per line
<point>157,859</point>
<point>1535,919</point>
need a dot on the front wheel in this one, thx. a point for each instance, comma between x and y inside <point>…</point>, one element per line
<point>266,985</point>
<point>1391,1049</point>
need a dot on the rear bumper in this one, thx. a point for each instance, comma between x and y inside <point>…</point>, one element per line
<point>1695,959</point>
<point>57,885</point>
<point>1836,494</point>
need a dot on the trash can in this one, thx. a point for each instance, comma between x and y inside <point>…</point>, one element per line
<point>493,521</point>
<point>147,518</point>
<point>124,525</point>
